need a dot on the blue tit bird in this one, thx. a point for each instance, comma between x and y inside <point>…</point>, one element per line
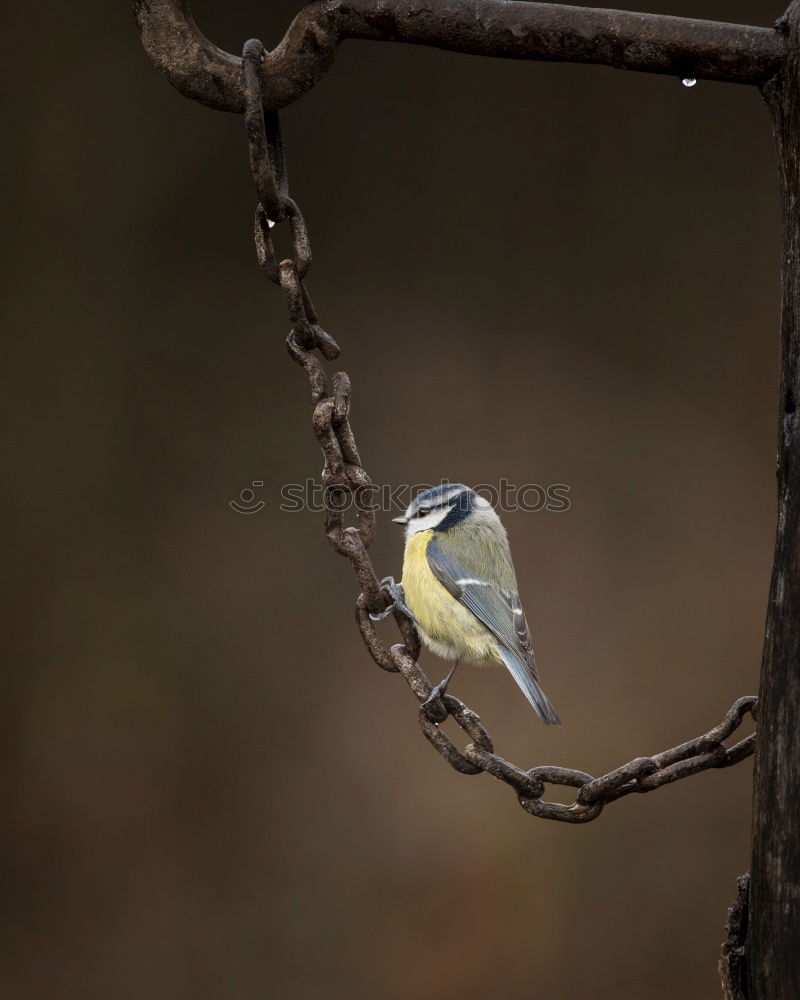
<point>460,587</point>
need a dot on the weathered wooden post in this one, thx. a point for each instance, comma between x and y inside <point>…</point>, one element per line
<point>773,931</point>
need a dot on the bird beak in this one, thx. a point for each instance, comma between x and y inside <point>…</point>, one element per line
<point>400,520</point>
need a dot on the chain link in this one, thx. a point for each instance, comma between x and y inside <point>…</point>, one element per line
<point>344,478</point>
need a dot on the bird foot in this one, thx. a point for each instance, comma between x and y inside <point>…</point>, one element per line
<point>397,594</point>
<point>434,706</point>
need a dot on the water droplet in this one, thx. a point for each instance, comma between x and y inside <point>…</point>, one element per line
<point>688,81</point>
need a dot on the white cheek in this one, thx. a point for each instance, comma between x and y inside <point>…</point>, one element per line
<point>424,523</point>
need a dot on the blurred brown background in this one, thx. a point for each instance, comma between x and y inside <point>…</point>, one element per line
<point>548,273</point>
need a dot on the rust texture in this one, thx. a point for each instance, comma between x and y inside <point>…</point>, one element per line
<point>652,43</point>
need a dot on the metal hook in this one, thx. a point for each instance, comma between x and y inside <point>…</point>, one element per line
<point>652,43</point>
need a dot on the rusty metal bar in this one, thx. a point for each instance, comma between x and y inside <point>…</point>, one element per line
<point>651,43</point>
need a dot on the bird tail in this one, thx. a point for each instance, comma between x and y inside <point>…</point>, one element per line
<point>524,677</point>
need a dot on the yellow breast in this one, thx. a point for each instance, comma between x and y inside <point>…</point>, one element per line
<point>449,628</point>
<point>422,589</point>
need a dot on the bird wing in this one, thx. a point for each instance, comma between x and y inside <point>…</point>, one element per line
<point>501,612</point>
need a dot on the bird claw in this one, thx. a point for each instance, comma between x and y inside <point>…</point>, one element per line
<point>397,594</point>
<point>434,706</point>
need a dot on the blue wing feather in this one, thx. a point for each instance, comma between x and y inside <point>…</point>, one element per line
<point>502,614</point>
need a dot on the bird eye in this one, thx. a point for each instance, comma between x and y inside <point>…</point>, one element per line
<point>423,511</point>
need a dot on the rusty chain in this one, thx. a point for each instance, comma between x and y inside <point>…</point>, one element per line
<point>344,478</point>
